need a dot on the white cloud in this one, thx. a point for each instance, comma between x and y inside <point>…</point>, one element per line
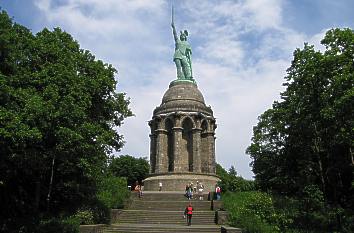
<point>265,14</point>
<point>223,50</point>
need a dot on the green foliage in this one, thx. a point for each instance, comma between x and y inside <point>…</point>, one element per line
<point>311,214</point>
<point>112,191</point>
<point>253,211</point>
<point>303,146</point>
<point>101,212</point>
<point>312,198</point>
<point>57,225</point>
<point>134,169</point>
<point>261,212</point>
<point>59,113</point>
<point>252,224</point>
<point>83,217</point>
<point>231,182</point>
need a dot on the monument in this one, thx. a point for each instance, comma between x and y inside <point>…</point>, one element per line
<point>182,139</point>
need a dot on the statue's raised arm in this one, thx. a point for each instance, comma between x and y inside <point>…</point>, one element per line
<point>174,32</point>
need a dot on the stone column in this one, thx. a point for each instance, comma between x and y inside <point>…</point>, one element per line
<point>152,153</point>
<point>212,165</point>
<point>210,157</point>
<point>153,125</point>
<point>196,150</point>
<point>161,151</point>
<point>177,137</point>
<point>211,146</point>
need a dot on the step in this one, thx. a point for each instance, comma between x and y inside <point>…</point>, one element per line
<point>170,217</point>
<point>165,196</point>
<point>169,205</point>
<point>152,228</point>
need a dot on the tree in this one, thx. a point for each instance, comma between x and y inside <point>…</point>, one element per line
<point>232,171</point>
<point>59,110</point>
<point>306,140</point>
<point>231,182</point>
<point>134,169</point>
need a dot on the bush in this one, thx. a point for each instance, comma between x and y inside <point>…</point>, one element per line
<point>253,224</point>
<point>57,225</point>
<point>83,217</point>
<point>112,191</point>
<point>347,220</point>
<point>253,211</point>
<point>100,211</point>
<point>262,213</point>
<point>309,213</point>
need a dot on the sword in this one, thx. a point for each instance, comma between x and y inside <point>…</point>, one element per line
<point>172,13</point>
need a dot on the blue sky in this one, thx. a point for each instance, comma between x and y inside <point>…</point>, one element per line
<point>241,50</point>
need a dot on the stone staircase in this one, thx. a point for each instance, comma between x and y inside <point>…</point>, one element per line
<point>163,212</point>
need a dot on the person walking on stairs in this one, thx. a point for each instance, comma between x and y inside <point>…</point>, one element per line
<point>189,212</point>
<point>189,192</point>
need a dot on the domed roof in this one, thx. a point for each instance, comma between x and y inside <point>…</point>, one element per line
<point>183,96</point>
<point>183,91</point>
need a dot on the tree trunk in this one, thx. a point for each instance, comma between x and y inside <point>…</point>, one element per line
<point>37,195</point>
<point>51,182</point>
<point>317,151</point>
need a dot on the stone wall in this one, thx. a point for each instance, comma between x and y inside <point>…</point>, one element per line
<point>178,182</point>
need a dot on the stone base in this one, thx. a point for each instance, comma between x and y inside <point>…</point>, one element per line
<point>178,181</point>
<point>182,80</point>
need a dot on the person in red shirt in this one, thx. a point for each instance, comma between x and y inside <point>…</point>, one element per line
<point>189,212</point>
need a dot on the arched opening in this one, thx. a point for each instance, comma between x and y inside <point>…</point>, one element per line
<point>204,147</point>
<point>187,142</point>
<point>204,126</point>
<point>168,128</point>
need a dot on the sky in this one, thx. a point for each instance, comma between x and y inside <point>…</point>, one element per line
<point>241,50</point>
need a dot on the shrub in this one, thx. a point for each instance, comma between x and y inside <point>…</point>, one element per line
<point>253,211</point>
<point>57,225</point>
<point>309,213</point>
<point>101,212</point>
<point>253,224</point>
<point>112,191</point>
<point>84,217</point>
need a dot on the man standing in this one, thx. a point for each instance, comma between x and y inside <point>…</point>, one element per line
<point>189,212</point>
<point>200,188</point>
<point>218,192</point>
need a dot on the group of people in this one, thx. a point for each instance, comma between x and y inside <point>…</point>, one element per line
<point>192,190</point>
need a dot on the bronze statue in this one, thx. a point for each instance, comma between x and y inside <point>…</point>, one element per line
<point>183,54</point>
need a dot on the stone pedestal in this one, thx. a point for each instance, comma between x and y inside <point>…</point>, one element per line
<point>182,140</point>
<point>178,181</point>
